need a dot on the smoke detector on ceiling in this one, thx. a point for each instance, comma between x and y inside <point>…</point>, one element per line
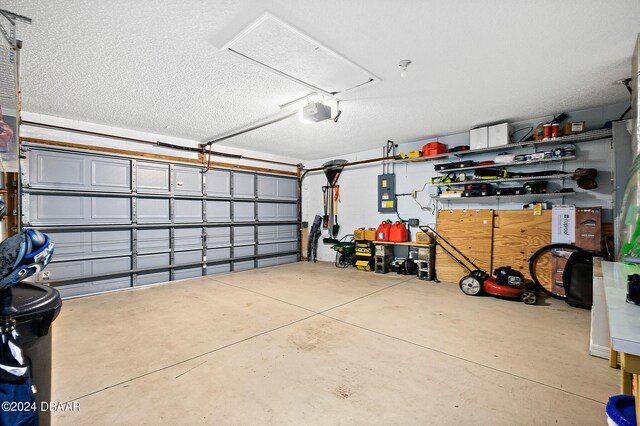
<point>404,64</point>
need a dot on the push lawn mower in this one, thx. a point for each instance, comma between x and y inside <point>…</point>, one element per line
<point>507,282</point>
<point>345,251</point>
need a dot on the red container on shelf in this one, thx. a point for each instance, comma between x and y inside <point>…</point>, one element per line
<point>555,130</point>
<point>546,131</point>
<point>398,233</point>
<point>434,148</point>
<point>382,233</point>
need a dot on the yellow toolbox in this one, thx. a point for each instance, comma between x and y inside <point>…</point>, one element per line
<point>364,256</point>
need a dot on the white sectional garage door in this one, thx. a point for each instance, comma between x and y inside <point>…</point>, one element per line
<point>119,222</point>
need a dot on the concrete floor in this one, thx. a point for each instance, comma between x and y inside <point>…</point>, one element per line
<point>312,344</point>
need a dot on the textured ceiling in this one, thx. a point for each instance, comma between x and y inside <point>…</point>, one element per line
<point>156,67</point>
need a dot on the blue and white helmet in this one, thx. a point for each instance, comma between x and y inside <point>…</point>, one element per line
<point>23,255</point>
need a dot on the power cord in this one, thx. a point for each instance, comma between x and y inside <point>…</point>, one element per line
<point>526,135</point>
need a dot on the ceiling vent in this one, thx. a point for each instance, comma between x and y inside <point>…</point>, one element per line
<point>275,45</point>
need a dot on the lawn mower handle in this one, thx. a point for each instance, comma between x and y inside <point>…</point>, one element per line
<point>422,228</point>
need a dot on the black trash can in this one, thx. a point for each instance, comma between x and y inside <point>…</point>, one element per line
<point>37,306</point>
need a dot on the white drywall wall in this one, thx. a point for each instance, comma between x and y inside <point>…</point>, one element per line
<point>358,184</point>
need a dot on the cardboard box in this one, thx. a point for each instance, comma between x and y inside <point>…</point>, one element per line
<point>498,135</point>
<point>573,128</point>
<point>563,224</point>
<point>478,138</point>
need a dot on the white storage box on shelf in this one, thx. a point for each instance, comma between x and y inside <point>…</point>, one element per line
<point>498,135</point>
<point>478,138</point>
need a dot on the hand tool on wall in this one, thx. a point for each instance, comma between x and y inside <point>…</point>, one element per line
<point>336,200</point>
<point>325,216</point>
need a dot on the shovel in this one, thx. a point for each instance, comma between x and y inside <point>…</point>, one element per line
<point>325,217</point>
<point>336,200</point>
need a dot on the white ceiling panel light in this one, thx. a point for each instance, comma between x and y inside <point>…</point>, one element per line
<point>277,46</point>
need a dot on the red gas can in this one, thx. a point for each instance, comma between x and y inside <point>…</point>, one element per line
<point>382,233</point>
<point>398,233</point>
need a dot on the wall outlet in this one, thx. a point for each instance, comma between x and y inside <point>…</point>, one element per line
<point>414,222</point>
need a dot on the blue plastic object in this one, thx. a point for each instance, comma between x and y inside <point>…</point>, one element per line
<point>621,409</point>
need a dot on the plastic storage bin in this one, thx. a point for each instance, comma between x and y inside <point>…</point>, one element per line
<point>37,306</point>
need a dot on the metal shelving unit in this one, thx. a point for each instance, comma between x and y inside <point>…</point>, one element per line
<point>500,197</point>
<point>516,163</point>
<point>506,180</point>
<point>591,135</point>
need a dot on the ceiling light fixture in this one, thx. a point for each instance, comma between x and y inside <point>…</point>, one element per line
<point>404,64</point>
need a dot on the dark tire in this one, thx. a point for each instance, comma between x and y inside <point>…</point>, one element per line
<point>470,286</point>
<point>342,261</point>
<point>529,297</point>
<point>532,266</point>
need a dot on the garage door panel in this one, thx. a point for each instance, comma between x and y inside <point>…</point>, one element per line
<point>183,257</point>
<point>90,244</point>
<point>218,211</point>
<point>277,211</point>
<point>218,253</point>
<point>291,258</point>
<point>243,235</point>
<point>244,185</point>
<point>243,265</point>
<point>188,180</point>
<point>67,270</point>
<point>269,261</point>
<point>153,278</point>
<point>68,244</point>
<point>56,169</point>
<point>110,174</point>
<point>153,260</point>
<point>187,238</point>
<point>184,273</point>
<point>61,209</point>
<point>243,251</point>
<point>277,248</point>
<point>110,242</point>
<point>218,269</point>
<point>243,212</point>
<point>115,210</point>
<point>218,183</point>
<point>218,236</point>
<point>153,240</point>
<point>160,214</point>
<point>277,187</point>
<point>105,266</point>
<point>275,233</point>
<point>74,171</point>
<point>153,210</point>
<point>152,177</point>
<point>187,211</point>
<point>56,209</point>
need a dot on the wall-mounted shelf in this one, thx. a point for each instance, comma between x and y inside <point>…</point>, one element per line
<point>515,163</point>
<point>500,197</point>
<point>506,180</point>
<point>591,135</point>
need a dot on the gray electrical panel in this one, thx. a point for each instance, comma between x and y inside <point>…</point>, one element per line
<point>387,193</point>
